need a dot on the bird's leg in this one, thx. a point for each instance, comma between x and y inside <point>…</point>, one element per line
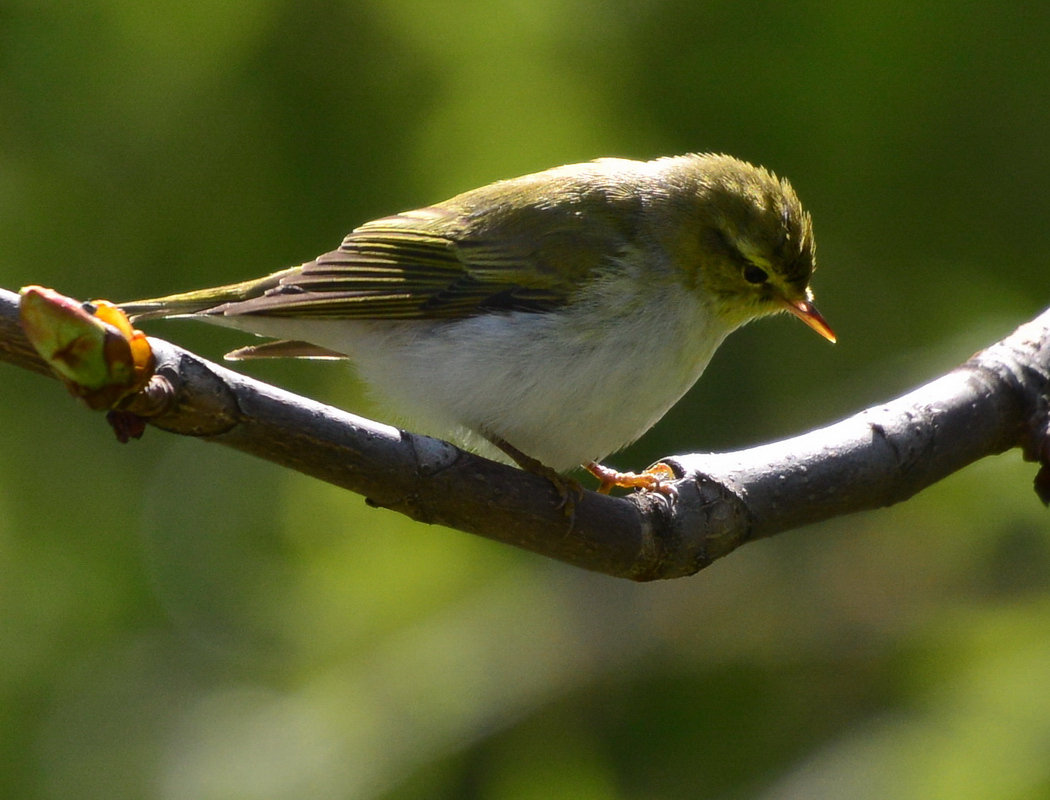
<point>654,479</point>
<point>568,489</point>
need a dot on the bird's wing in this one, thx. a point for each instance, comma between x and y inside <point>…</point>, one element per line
<point>446,262</point>
<point>523,245</point>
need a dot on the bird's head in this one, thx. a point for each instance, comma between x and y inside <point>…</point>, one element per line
<point>749,245</point>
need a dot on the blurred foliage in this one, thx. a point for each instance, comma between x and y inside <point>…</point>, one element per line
<point>182,622</point>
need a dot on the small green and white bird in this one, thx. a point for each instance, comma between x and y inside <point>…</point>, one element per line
<point>556,316</point>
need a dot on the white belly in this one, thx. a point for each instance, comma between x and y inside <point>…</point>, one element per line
<point>562,387</point>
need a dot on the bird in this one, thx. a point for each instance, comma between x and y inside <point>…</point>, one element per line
<point>548,320</point>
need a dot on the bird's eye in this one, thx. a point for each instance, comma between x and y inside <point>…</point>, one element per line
<point>753,274</point>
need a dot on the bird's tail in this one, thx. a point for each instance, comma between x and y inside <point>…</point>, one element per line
<point>202,301</point>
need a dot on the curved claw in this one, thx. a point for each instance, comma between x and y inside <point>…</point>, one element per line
<point>569,489</point>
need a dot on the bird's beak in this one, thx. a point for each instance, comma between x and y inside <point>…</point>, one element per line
<point>807,312</point>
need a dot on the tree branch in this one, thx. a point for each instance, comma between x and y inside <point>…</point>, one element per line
<point>995,401</point>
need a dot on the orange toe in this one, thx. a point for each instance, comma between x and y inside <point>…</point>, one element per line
<point>655,479</point>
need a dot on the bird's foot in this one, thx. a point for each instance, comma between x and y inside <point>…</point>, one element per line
<point>569,489</point>
<point>655,479</point>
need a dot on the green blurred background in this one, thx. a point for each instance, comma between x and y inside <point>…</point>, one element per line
<point>179,621</point>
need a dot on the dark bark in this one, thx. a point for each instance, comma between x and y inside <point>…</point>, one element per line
<point>995,401</point>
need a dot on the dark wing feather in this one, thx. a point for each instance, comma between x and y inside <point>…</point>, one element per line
<point>506,246</point>
<point>420,264</point>
<point>527,244</point>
